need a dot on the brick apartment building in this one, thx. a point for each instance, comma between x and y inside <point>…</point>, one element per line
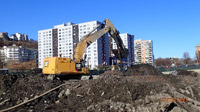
<point>143,50</point>
<point>198,53</point>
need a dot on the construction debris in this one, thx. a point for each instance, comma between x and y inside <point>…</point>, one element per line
<point>142,89</point>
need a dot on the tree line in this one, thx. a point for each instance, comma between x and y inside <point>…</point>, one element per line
<point>185,60</point>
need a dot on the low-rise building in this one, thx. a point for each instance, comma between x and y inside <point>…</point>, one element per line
<point>17,53</point>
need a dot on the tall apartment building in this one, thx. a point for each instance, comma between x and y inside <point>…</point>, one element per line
<point>198,53</point>
<point>143,51</point>
<point>128,43</point>
<point>17,53</point>
<point>63,39</point>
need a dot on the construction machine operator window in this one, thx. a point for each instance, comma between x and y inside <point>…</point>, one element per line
<point>78,65</point>
<point>46,63</point>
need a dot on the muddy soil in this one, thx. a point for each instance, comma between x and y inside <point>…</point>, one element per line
<point>140,89</point>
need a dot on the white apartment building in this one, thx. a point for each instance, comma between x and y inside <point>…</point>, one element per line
<point>17,53</point>
<point>45,45</point>
<point>129,44</point>
<point>143,51</point>
<point>63,39</point>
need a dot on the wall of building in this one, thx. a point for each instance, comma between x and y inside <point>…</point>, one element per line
<point>65,41</point>
<point>130,48</point>
<point>45,45</point>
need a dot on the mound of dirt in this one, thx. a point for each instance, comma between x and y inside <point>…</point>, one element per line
<point>18,88</point>
<point>113,72</point>
<point>6,82</point>
<point>112,91</point>
<point>142,69</point>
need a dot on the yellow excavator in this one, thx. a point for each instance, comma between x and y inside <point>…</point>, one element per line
<point>64,66</point>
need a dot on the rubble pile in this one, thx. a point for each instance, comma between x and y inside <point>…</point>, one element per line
<point>146,91</point>
<point>15,89</point>
<point>142,69</point>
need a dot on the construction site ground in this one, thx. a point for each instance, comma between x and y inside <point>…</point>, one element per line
<point>141,88</point>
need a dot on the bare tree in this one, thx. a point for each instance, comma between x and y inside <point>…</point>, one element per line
<point>27,44</point>
<point>186,58</point>
<point>163,62</point>
<point>186,55</point>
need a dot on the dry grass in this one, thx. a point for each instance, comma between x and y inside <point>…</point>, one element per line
<point>21,65</point>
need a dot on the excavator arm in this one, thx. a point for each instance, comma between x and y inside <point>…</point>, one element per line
<point>86,41</point>
<point>108,27</point>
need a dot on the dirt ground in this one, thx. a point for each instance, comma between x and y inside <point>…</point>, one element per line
<point>140,89</point>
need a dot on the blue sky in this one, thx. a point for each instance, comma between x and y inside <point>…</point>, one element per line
<point>173,25</point>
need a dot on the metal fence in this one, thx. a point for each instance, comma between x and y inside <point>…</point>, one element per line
<point>182,67</point>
